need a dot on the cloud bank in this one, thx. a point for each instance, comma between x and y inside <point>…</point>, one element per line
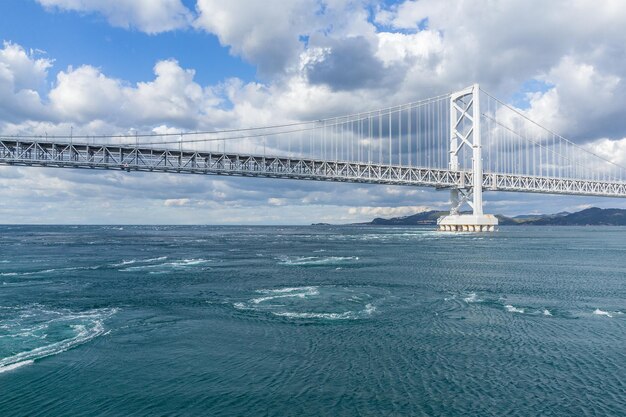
<point>319,58</point>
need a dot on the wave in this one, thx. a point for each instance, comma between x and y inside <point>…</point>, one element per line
<point>286,289</point>
<point>15,365</point>
<point>37,324</point>
<point>396,235</point>
<point>300,292</point>
<point>48,271</point>
<point>501,303</point>
<point>512,309</point>
<point>25,283</point>
<point>316,260</point>
<point>312,302</point>
<point>346,315</point>
<point>183,263</point>
<point>599,312</point>
<point>186,262</point>
<point>472,298</point>
<point>327,316</point>
<point>135,261</point>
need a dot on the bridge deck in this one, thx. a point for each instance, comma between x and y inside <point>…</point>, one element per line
<point>130,158</point>
<point>149,159</point>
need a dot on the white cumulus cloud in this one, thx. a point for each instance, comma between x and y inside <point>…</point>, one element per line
<point>266,33</point>
<point>150,16</point>
<point>320,58</point>
<point>176,202</point>
<point>22,76</point>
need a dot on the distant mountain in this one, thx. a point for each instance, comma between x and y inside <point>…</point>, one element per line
<point>589,217</point>
<point>532,217</point>
<point>426,217</point>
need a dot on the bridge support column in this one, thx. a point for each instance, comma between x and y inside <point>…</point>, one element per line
<point>465,137</point>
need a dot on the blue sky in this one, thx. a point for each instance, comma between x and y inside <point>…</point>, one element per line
<point>77,38</point>
<point>207,64</point>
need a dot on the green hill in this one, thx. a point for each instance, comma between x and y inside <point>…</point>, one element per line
<point>589,217</point>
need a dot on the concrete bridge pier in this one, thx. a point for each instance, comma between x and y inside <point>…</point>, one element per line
<point>468,223</point>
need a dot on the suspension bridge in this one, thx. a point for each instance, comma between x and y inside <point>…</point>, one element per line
<point>466,142</point>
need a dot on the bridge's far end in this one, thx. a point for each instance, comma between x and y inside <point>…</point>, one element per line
<point>468,223</point>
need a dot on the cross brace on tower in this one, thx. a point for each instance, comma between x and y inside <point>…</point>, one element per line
<point>465,136</point>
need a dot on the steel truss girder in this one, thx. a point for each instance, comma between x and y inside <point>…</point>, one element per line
<point>128,158</point>
<point>550,185</point>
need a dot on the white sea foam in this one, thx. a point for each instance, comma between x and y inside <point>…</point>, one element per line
<point>317,260</point>
<point>136,268</point>
<point>599,312</point>
<point>13,274</point>
<point>16,365</point>
<point>328,316</point>
<point>90,327</point>
<point>286,289</point>
<point>311,302</point>
<point>49,271</point>
<point>141,261</point>
<point>512,309</point>
<point>132,261</point>
<point>186,262</point>
<point>183,263</point>
<point>369,308</point>
<point>472,298</point>
<point>300,292</point>
<point>346,315</point>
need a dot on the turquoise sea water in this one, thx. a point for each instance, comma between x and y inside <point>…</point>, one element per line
<point>311,321</point>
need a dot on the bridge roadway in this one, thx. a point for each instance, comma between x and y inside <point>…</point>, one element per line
<point>33,152</point>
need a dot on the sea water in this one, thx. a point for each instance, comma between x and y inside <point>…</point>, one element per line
<point>311,321</point>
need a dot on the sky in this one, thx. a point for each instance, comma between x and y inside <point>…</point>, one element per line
<point>107,66</point>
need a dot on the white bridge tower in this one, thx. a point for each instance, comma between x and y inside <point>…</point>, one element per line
<point>465,139</point>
